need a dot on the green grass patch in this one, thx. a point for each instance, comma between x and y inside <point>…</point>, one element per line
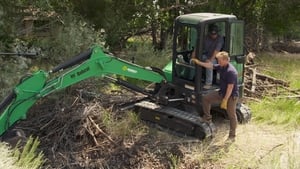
<point>281,66</point>
<point>124,127</point>
<point>25,158</point>
<point>276,111</point>
<point>140,51</point>
<point>272,110</point>
<point>7,160</point>
<point>145,55</point>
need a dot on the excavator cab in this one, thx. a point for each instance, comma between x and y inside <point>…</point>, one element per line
<point>189,35</point>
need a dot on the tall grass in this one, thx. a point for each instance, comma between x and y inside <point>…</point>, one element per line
<point>281,66</point>
<point>28,156</point>
<point>279,111</point>
<point>140,51</point>
<point>126,127</point>
<point>25,158</point>
<point>7,160</point>
<point>145,55</point>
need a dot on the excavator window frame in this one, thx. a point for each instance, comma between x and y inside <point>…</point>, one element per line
<point>184,43</point>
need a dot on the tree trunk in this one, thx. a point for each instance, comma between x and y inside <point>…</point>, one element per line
<point>154,34</point>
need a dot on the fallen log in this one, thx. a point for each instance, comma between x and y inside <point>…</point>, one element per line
<point>288,97</point>
<point>271,79</point>
<point>253,84</point>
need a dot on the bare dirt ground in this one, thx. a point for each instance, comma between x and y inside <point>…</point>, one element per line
<point>262,146</point>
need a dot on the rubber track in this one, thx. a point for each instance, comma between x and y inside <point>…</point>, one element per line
<point>201,129</point>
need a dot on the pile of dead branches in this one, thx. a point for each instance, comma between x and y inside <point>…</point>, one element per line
<point>258,85</point>
<point>73,133</point>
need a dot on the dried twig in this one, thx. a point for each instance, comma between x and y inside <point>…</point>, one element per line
<point>263,156</point>
<point>288,97</point>
<point>253,85</point>
<point>108,137</point>
<point>257,85</point>
<point>92,134</point>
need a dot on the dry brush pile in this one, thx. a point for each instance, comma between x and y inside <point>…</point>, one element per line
<point>258,85</point>
<point>82,130</point>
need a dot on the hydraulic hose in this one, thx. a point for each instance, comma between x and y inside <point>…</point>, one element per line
<point>7,101</point>
<point>74,61</point>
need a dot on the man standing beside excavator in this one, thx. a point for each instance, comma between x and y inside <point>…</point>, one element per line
<point>228,93</point>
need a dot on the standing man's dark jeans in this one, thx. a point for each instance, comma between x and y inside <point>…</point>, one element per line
<point>214,98</point>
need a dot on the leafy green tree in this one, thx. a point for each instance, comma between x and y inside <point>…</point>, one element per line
<point>124,19</point>
<point>8,19</point>
<point>281,18</point>
<point>264,19</point>
<point>113,17</point>
<point>121,20</point>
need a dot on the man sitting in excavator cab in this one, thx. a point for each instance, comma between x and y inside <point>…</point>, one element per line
<point>213,43</point>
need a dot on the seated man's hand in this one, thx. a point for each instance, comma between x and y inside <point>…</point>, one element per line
<point>194,60</point>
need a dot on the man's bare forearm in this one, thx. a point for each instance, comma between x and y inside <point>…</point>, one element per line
<point>207,65</point>
<point>228,91</point>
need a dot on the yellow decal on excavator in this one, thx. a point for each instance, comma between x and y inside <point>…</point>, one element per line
<point>125,68</point>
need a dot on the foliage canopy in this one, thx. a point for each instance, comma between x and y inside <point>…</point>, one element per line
<point>120,20</point>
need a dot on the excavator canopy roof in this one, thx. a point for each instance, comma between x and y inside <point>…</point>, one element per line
<point>197,18</point>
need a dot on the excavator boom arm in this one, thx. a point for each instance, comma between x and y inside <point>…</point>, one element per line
<point>92,63</point>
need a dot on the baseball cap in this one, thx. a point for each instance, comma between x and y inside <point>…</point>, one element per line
<point>213,29</point>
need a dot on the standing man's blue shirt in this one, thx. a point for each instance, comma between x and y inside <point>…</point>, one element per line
<point>228,75</point>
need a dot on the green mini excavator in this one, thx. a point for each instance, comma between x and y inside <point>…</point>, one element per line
<point>178,86</point>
